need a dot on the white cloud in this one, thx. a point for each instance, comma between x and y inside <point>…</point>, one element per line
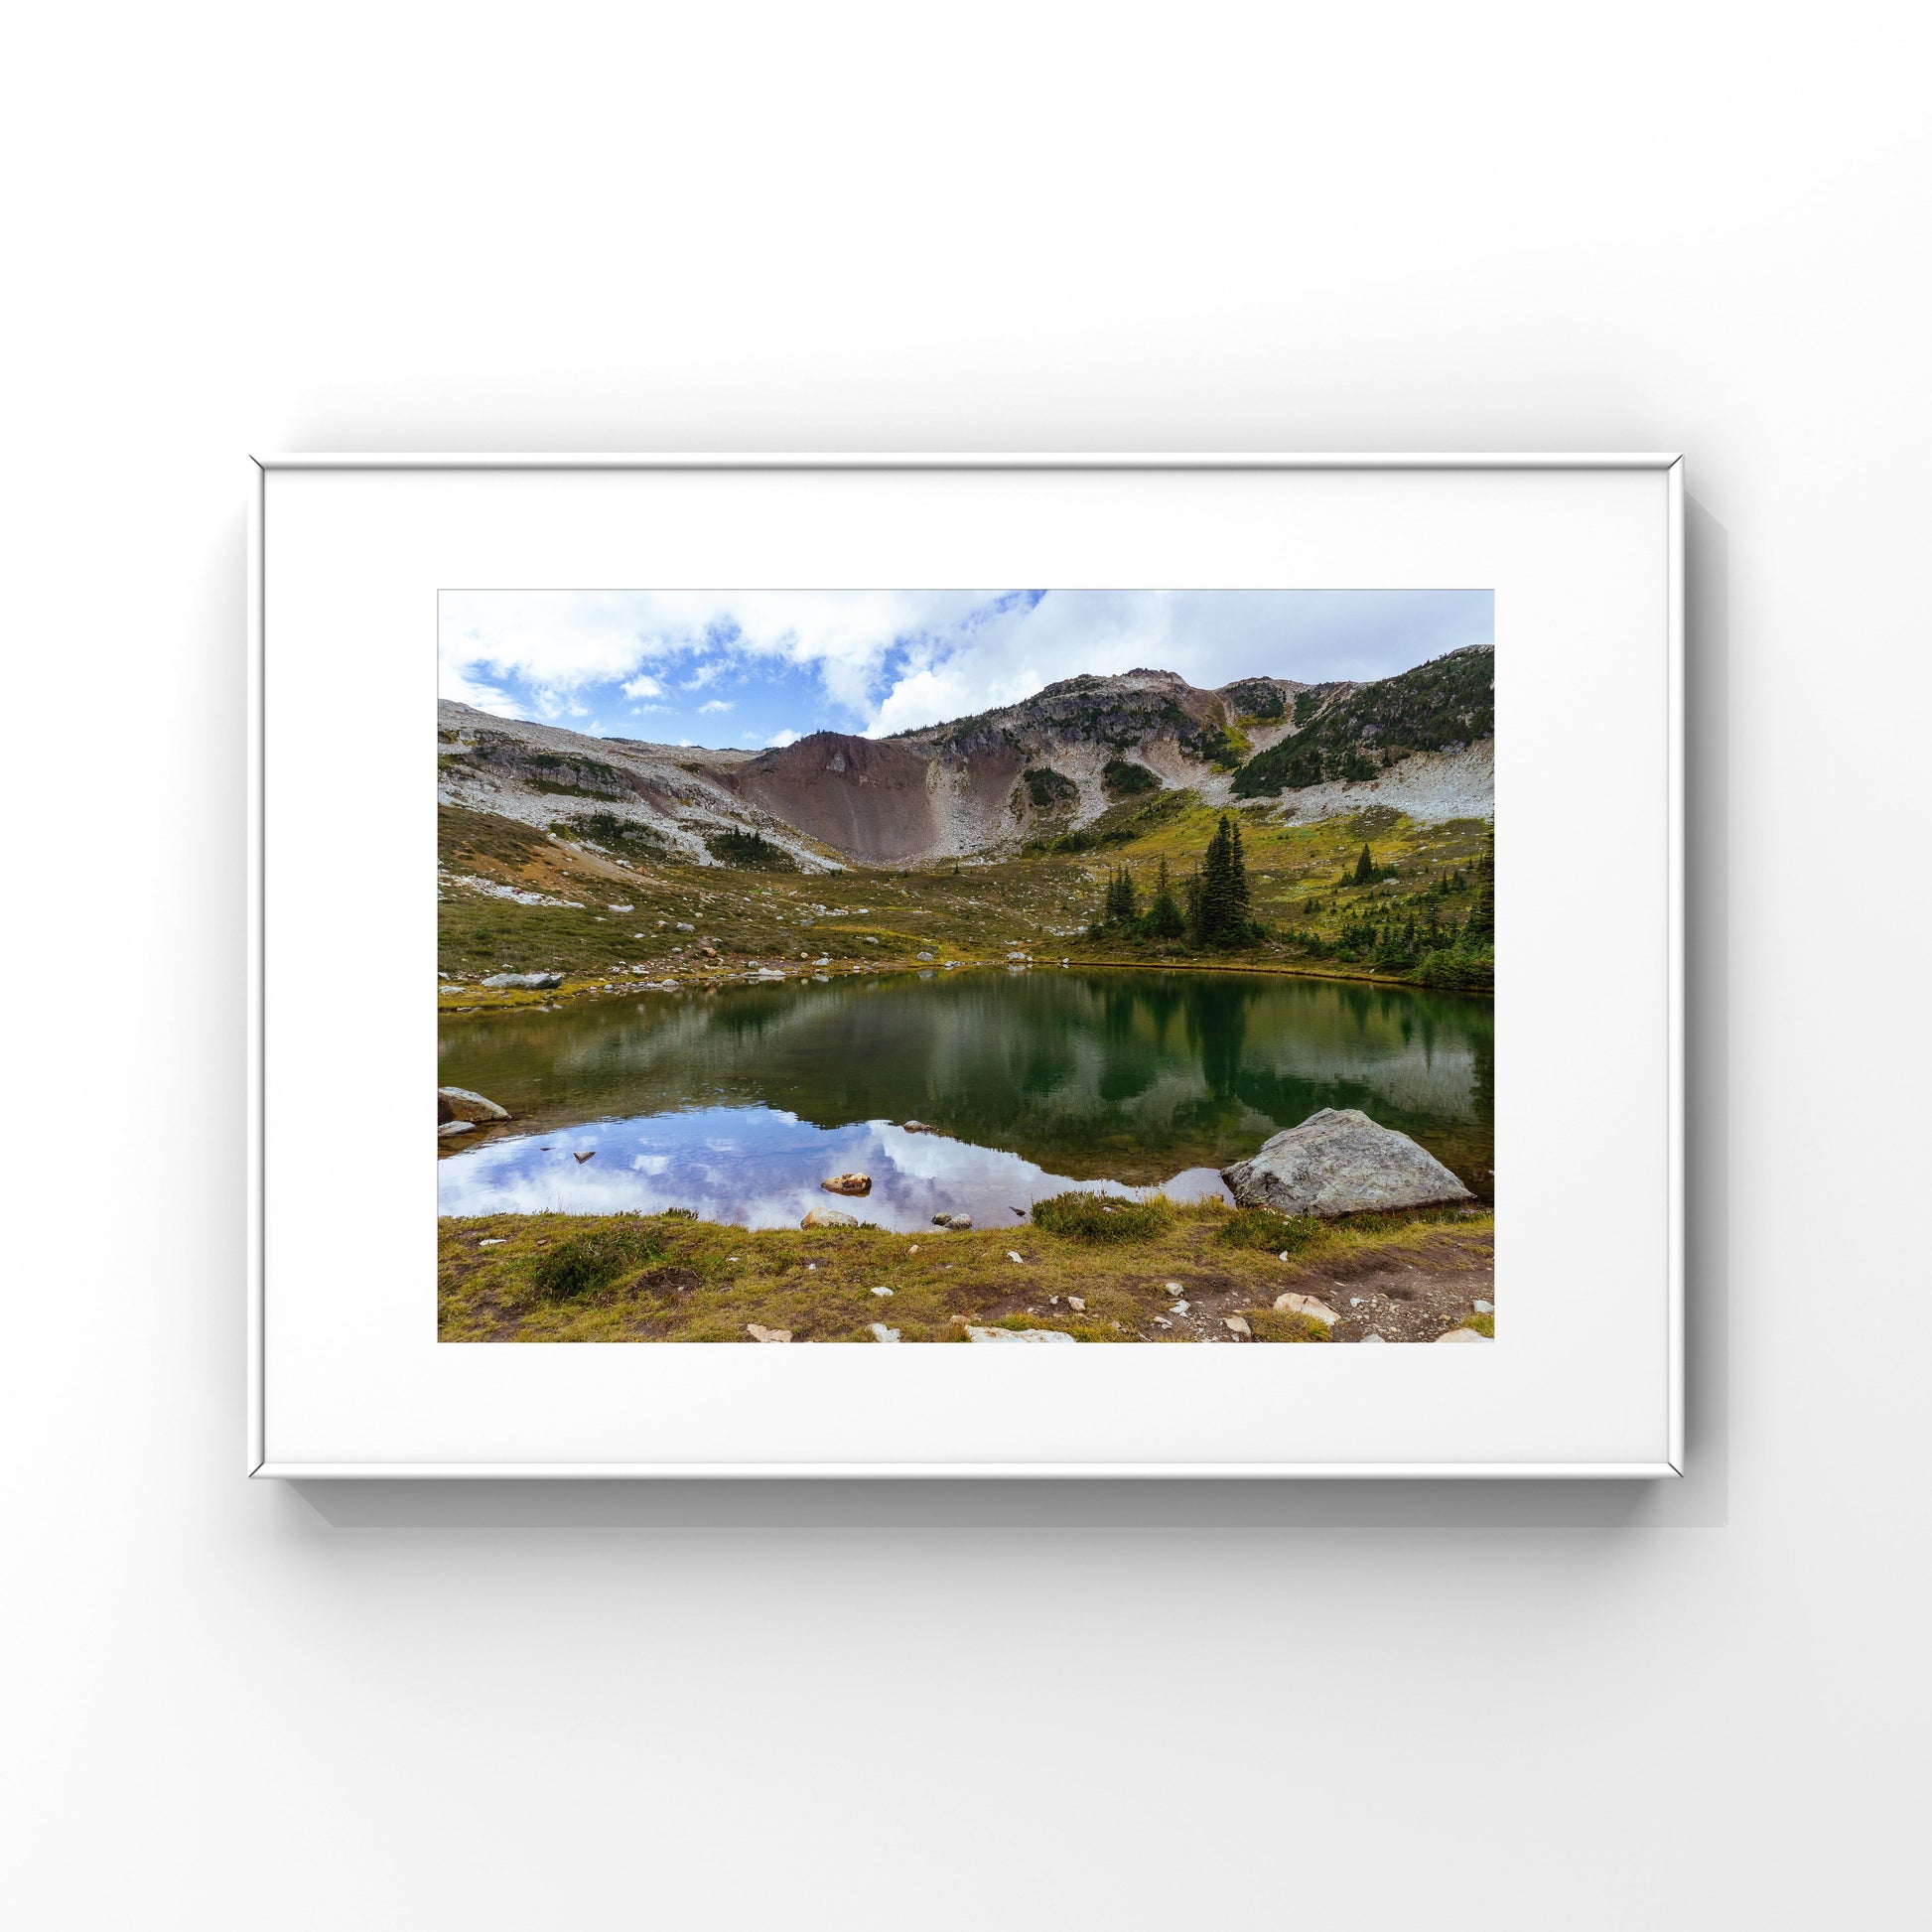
<point>950,652</point>
<point>781,738</point>
<point>717,704</point>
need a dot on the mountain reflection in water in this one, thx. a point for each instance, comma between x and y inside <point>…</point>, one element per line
<point>736,1104</point>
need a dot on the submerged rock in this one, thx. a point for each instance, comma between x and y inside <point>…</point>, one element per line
<point>459,1103</point>
<point>828,1217</point>
<point>848,1183</point>
<point>1339,1162</point>
<point>448,1129</point>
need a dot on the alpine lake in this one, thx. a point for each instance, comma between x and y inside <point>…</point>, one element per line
<point>978,1091</point>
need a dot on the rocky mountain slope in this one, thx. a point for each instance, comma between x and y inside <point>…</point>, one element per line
<point>1082,751</point>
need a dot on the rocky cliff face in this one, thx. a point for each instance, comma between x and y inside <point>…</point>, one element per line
<point>983,785</point>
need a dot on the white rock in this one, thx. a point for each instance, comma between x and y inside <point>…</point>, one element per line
<point>1461,1334</point>
<point>882,1291</point>
<point>451,1128</point>
<point>1016,1335</point>
<point>1179,1308</point>
<point>1172,1288</point>
<point>880,1332</point>
<point>459,1103</point>
<point>756,1333</point>
<point>1162,1321</point>
<point>623,908</point>
<point>1076,1305</point>
<point>1010,1256</point>
<point>1375,1338</point>
<point>829,1217</point>
<point>1239,1324</point>
<point>1484,1308</point>
<point>1309,1305</point>
<point>494,1241</point>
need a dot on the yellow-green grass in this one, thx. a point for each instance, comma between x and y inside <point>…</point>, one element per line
<point>678,1279</point>
<point>1039,903</point>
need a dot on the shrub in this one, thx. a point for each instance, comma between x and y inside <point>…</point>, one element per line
<point>1483,1325</point>
<point>1101,1218</point>
<point>751,851</point>
<point>1123,779</point>
<point>1262,1227</point>
<point>592,1260</point>
<point>1049,790</point>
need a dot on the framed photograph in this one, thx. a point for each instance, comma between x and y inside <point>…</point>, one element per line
<point>966,965</point>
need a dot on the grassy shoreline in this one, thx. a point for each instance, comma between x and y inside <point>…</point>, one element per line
<point>515,899</point>
<point>672,1278</point>
<point>700,980</point>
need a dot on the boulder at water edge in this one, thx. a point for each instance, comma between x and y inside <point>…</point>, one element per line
<point>532,980</point>
<point>1339,1162</point>
<point>459,1103</point>
<point>828,1217</point>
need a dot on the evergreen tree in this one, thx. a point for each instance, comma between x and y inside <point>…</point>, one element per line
<point>1365,868</point>
<point>1222,918</point>
<point>1481,928</point>
<point>1191,903</point>
<point>1163,919</point>
<point>1122,901</point>
<point>1237,879</point>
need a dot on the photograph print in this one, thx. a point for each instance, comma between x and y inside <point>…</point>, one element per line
<point>995,967</point>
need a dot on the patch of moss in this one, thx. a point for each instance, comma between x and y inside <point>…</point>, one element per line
<point>1101,1218</point>
<point>592,1259</point>
<point>1262,1227</point>
<point>1286,1325</point>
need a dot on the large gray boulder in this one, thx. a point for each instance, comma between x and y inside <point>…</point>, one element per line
<point>533,981</point>
<point>1339,1162</point>
<point>459,1103</point>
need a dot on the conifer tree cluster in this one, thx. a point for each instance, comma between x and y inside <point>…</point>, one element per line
<point>1211,909</point>
<point>1220,914</point>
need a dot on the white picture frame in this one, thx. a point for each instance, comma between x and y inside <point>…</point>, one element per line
<point>1584,554</point>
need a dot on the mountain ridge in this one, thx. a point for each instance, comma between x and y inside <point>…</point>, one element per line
<point>1079,750</point>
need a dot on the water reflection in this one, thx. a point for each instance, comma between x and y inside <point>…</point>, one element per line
<point>758,1168</point>
<point>1125,1077</point>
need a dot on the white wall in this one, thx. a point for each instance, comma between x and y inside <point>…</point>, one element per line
<point>234,1705</point>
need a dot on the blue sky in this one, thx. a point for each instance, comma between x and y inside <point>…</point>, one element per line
<point>761,668</point>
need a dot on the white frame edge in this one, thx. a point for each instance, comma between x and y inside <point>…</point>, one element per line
<point>258,1462</point>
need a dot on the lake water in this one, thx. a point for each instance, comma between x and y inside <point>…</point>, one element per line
<point>737,1103</point>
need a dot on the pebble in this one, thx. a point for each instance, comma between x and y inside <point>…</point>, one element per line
<point>1239,1324</point>
<point>756,1333</point>
<point>1179,1308</point>
<point>1076,1305</point>
<point>882,1291</point>
<point>1375,1338</point>
<point>494,1241</point>
<point>1162,1321</point>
